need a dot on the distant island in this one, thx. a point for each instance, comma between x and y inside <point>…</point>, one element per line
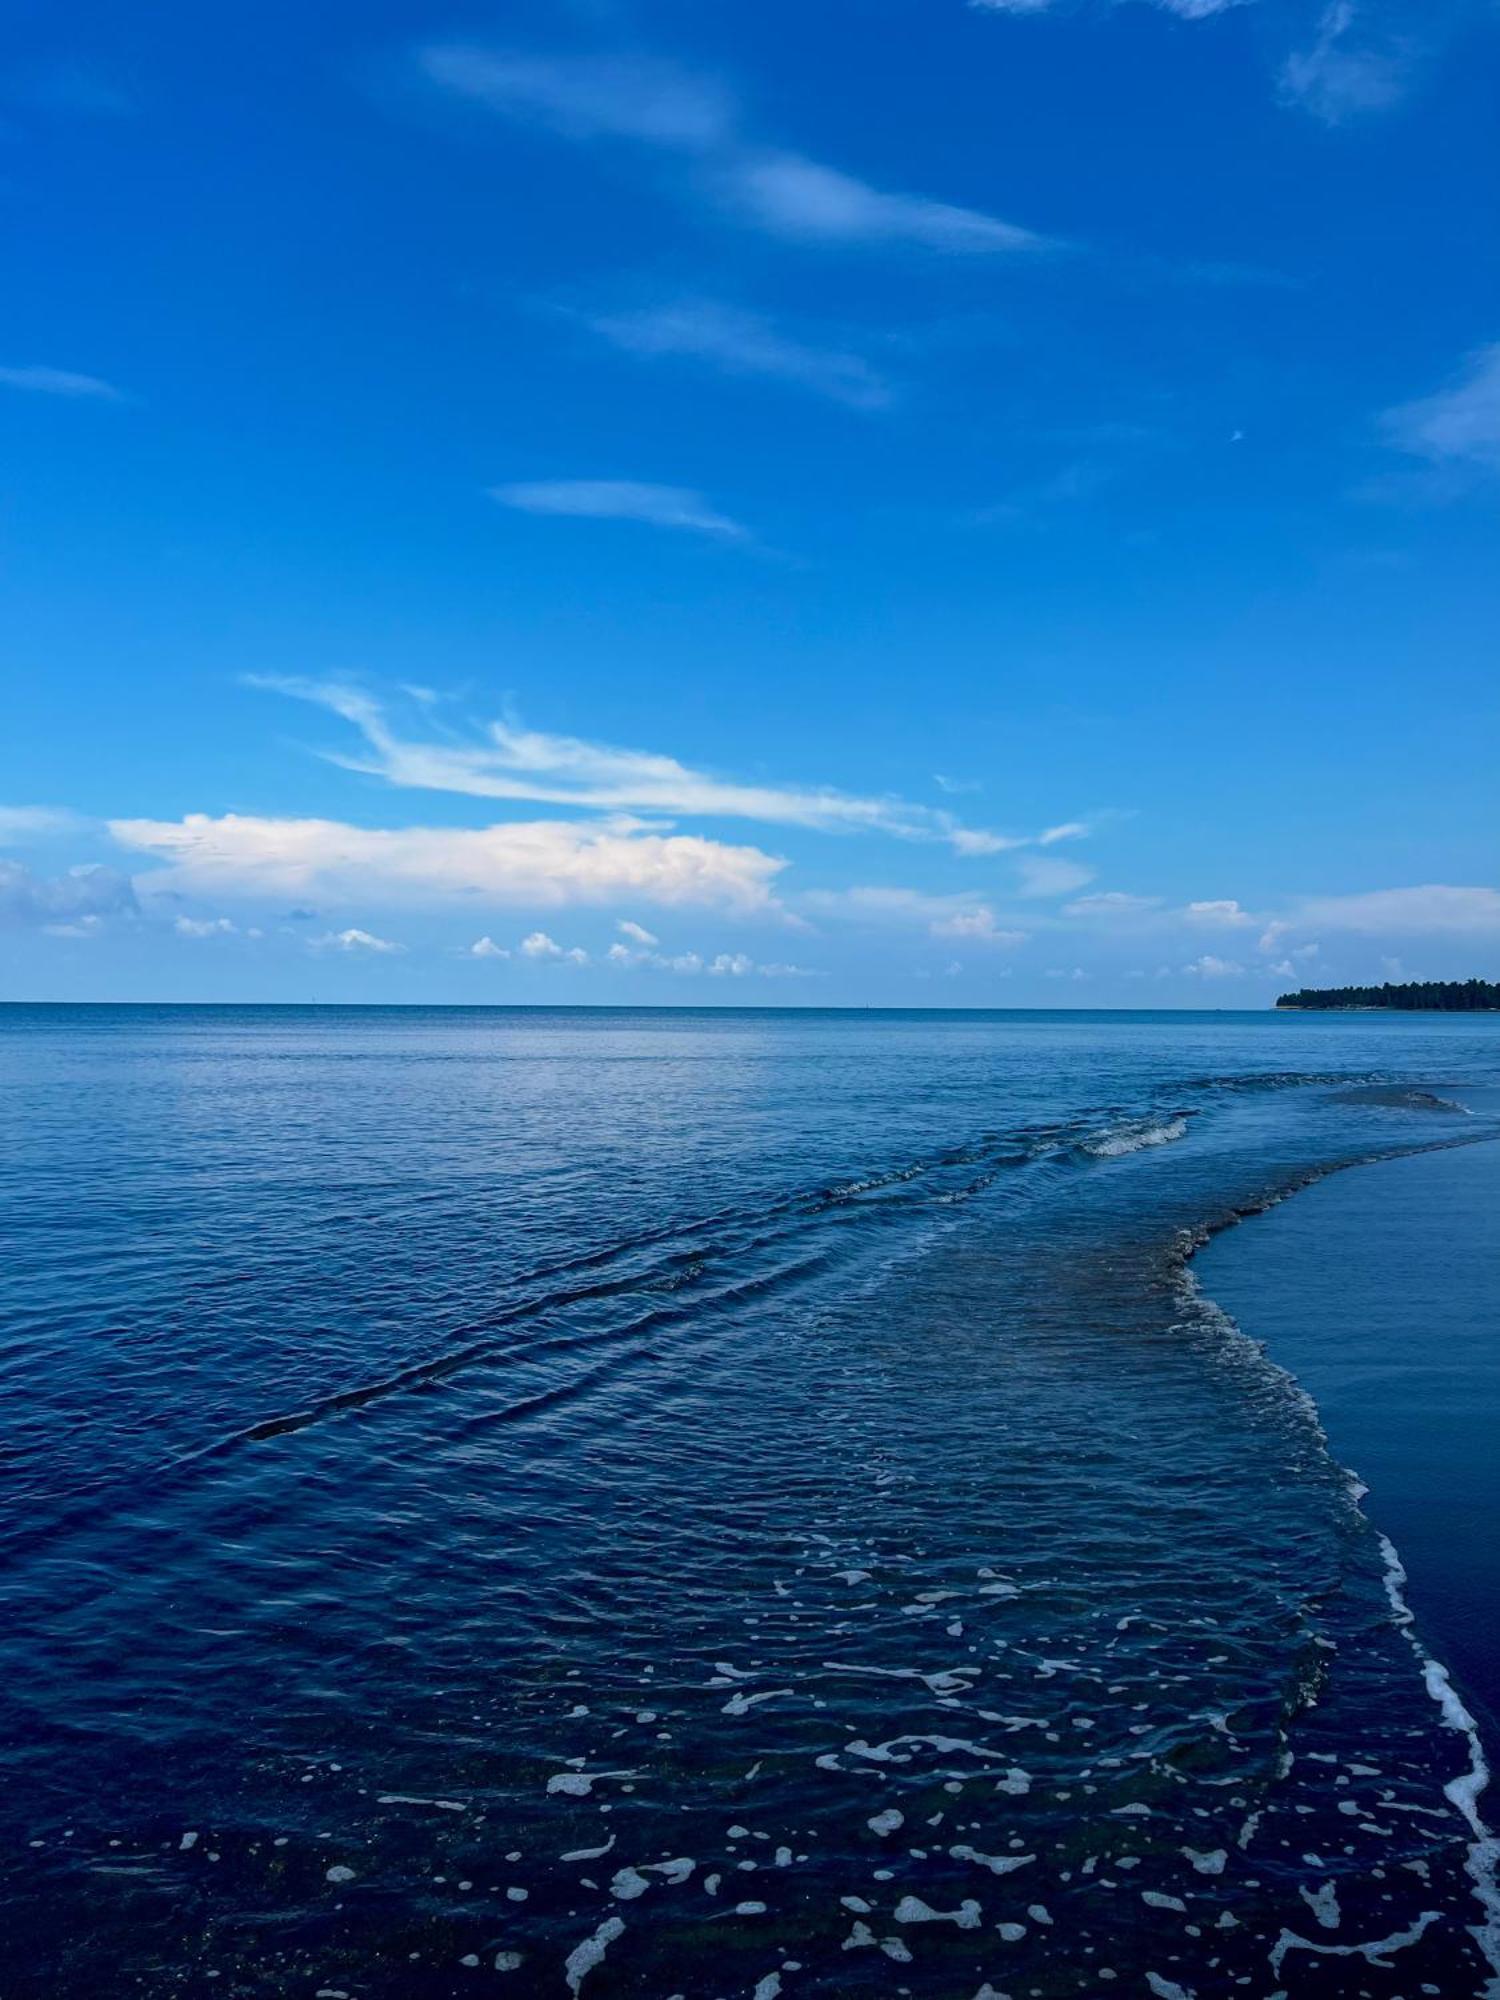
<point>1438,996</point>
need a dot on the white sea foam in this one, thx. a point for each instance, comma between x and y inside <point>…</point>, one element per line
<point>1377,1951</point>
<point>584,1957</point>
<point>998,1864</point>
<point>1461,1792</point>
<point>1134,1136</point>
<point>912,1910</point>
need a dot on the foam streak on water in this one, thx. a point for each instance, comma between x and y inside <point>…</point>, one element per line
<point>706,1505</point>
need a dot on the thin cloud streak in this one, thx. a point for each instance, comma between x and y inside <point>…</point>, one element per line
<point>673,110</point>
<point>1460,424</point>
<point>1185,10</point>
<point>1340,76</point>
<point>587,97</point>
<point>511,762</point>
<point>742,343</point>
<point>621,500</point>
<point>60,382</point>
<point>796,197</point>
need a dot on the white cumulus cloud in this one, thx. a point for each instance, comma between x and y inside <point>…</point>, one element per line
<point>356,940</point>
<point>1223,913</point>
<point>978,925</point>
<point>543,863</point>
<point>1209,967</point>
<point>539,945</point>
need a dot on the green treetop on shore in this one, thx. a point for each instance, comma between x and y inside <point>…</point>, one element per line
<point>1443,996</point>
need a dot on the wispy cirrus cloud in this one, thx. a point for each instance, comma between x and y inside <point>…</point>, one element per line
<point>1185,10</point>
<point>539,863</point>
<point>1459,425</point>
<point>1348,68</point>
<point>1044,875</point>
<point>60,382</point>
<point>875,906</point>
<point>791,196</point>
<point>1113,906</point>
<point>507,761</point>
<point>621,500</point>
<point>587,97</point>
<point>37,822</point>
<point>1432,910</point>
<point>743,343</point>
<point>635,98</point>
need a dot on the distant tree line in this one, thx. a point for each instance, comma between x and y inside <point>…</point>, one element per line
<point>1440,996</point>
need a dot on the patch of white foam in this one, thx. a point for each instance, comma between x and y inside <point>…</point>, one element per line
<point>912,1910</point>
<point>889,1752</point>
<point>1324,1904</point>
<point>1377,1951</point>
<point>582,1959</point>
<point>741,1704</point>
<point>1135,1136</point>
<point>578,1784</point>
<point>998,1864</point>
<point>588,1853</point>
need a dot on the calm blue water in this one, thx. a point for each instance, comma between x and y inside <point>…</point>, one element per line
<point>1380,1290</point>
<point>700,1503</point>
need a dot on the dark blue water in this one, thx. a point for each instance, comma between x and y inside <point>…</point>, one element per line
<point>1380,1290</point>
<point>713,1504</point>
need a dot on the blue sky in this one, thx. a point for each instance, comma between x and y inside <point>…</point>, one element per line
<point>892,501</point>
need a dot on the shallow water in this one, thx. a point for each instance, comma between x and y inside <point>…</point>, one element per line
<point>724,1503</point>
<point>1380,1290</point>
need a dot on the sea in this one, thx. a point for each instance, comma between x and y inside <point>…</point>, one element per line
<point>747,1503</point>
